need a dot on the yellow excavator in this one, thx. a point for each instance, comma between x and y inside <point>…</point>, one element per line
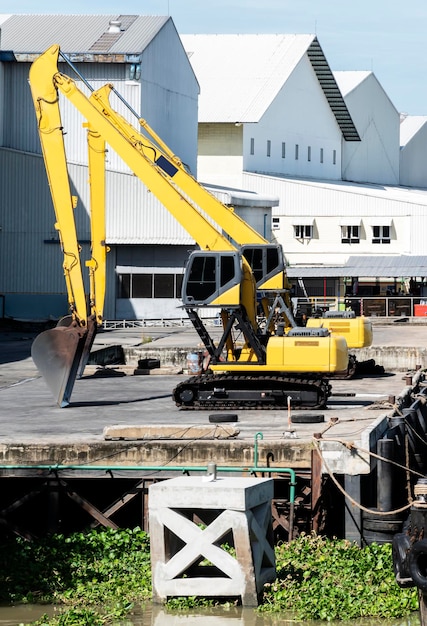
<point>249,366</point>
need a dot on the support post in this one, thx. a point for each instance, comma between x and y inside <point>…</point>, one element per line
<point>352,513</point>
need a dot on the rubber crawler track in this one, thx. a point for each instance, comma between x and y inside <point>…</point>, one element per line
<point>208,382</point>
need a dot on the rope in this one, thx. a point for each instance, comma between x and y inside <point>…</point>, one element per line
<point>350,446</point>
<point>347,495</point>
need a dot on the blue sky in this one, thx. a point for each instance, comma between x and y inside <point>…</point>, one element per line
<point>384,36</point>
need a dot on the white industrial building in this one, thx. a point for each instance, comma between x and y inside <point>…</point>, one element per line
<point>328,145</point>
<point>315,159</point>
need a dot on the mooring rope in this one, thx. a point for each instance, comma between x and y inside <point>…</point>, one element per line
<point>345,493</point>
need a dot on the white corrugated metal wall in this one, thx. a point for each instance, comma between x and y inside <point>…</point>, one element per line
<point>169,96</point>
<point>31,273</point>
<point>329,206</point>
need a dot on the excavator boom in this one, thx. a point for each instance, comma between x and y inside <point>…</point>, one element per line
<point>61,352</point>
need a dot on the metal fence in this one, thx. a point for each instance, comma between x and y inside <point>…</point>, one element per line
<point>385,306</point>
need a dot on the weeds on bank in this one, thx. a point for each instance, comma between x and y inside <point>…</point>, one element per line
<point>108,569</point>
<point>97,577</point>
<point>321,579</point>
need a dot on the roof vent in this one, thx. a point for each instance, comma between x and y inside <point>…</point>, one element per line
<point>114,26</point>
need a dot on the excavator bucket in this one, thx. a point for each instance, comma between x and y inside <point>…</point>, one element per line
<point>61,354</point>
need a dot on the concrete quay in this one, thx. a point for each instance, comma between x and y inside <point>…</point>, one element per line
<point>36,432</point>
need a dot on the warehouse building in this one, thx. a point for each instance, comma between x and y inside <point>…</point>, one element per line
<point>143,56</point>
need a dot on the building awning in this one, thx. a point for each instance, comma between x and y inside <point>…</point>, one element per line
<point>369,266</point>
<point>380,220</point>
<point>350,221</point>
<point>303,221</point>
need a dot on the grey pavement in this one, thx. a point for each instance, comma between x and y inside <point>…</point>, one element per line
<point>16,364</point>
<point>28,412</point>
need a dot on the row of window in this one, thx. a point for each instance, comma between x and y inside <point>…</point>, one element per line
<point>297,152</point>
<point>349,234</point>
<point>150,285</point>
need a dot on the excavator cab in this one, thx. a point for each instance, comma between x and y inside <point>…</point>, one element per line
<point>212,279</point>
<point>267,262</point>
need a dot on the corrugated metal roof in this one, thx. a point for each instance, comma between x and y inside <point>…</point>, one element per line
<point>79,33</point>
<point>240,75</point>
<point>366,266</point>
<point>355,191</point>
<point>409,127</point>
<point>241,198</point>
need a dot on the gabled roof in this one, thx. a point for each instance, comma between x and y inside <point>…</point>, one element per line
<point>240,75</point>
<point>409,127</point>
<point>349,80</point>
<point>95,34</point>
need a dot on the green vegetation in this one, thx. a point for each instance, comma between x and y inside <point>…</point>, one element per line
<point>97,577</point>
<point>108,569</point>
<point>320,579</point>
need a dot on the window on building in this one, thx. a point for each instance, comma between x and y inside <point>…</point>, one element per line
<point>164,285</point>
<point>178,284</point>
<point>296,152</point>
<point>334,157</point>
<point>142,285</point>
<point>252,145</point>
<point>303,231</point>
<point>124,286</point>
<point>350,234</point>
<point>381,234</point>
<point>283,150</point>
<point>268,147</point>
<point>275,223</point>
<point>149,285</point>
<point>309,153</point>
<point>321,155</point>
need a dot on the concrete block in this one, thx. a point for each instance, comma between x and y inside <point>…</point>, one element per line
<point>164,431</point>
<point>192,521</point>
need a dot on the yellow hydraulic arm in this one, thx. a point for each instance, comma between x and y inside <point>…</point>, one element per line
<point>61,352</point>
<point>250,242</point>
<point>155,148</point>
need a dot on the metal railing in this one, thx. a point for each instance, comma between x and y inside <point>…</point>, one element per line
<point>370,306</point>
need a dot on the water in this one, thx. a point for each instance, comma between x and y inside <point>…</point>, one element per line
<point>235,616</point>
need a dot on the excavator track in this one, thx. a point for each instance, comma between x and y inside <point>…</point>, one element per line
<point>246,391</point>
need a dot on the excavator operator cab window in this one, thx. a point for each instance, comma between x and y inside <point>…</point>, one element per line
<point>209,274</point>
<point>273,259</point>
<point>254,258</point>
<point>227,269</point>
<point>201,283</point>
<point>264,260</point>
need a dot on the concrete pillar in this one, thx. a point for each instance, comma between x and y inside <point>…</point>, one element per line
<point>190,521</point>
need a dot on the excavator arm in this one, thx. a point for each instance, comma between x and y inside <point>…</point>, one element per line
<point>265,259</point>
<point>61,353</point>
